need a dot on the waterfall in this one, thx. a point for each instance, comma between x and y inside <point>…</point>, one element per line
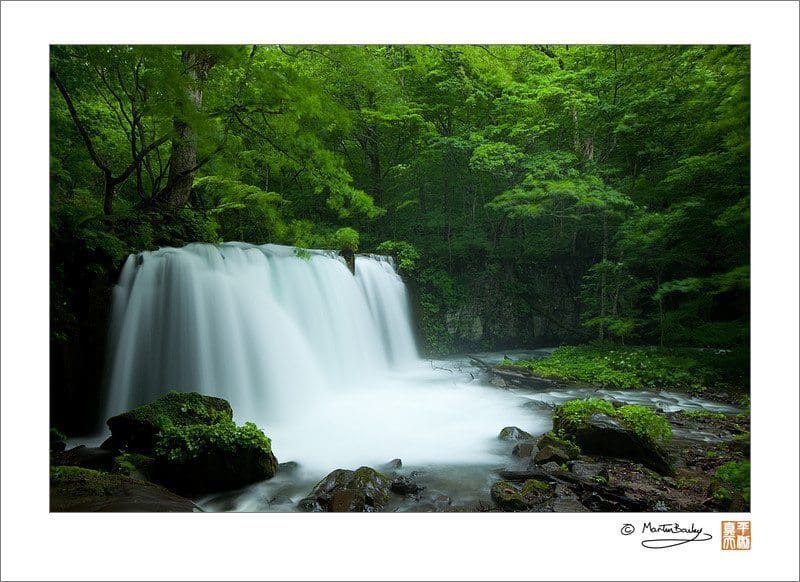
<point>324,361</point>
<point>266,327</point>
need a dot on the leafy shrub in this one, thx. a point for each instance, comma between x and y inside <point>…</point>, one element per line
<point>345,239</point>
<point>405,253</point>
<point>733,477</point>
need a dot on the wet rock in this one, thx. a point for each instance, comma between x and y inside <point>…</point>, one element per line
<point>602,435</point>
<point>87,457</point>
<point>405,486</point>
<point>525,449</point>
<point>364,489</point>
<point>550,454</point>
<point>507,497</point>
<point>584,470</point>
<point>394,464</point>
<point>310,505</point>
<point>510,497</point>
<point>513,433</point>
<point>568,504</point>
<point>347,500</point>
<point>288,467</point>
<point>550,467</point>
<point>81,489</point>
<point>556,449</point>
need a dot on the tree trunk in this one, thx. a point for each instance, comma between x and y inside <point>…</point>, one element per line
<point>183,158</point>
<point>603,276</point>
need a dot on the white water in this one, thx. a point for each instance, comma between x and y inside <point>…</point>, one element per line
<point>325,362</point>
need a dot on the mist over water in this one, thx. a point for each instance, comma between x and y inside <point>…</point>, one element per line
<point>325,362</point>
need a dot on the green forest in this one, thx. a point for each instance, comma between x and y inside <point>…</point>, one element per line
<point>534,195</point>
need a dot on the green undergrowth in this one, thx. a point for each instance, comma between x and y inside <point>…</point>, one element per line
<point>642,420</point>
<point>609,366</point>
<point>703,415</point>
<point>732,478</point>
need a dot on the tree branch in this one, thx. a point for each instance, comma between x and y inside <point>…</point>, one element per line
<point>79,125</point>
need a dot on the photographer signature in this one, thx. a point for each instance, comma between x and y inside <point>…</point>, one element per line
<point>677,535</point>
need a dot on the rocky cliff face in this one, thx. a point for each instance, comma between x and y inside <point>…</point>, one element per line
<point>493,315</point>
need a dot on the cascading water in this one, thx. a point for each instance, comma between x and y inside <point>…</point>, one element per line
<point>324,361</point>
<point>259,326</point>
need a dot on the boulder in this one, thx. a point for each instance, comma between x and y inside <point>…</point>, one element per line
<point>80,489</point>
<point>603,435</point>
<point>364,489</point>
<point>137,430</point>
<point>206,458</point>
<point>513,433</point>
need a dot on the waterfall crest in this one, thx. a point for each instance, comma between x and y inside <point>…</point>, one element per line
<point>260,326</point>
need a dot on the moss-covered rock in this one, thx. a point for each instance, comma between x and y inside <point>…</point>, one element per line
<point>80,489</point>
<point>364,489</point>
<point>138,430</point>
<point>571,450</point>
<point>637,433</point>
<point>203,458</point>
<point>554,449</point>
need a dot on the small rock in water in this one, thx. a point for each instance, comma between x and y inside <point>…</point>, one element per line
<point>405,486</point>
<point>513,433</point>
<point>392,465</point>
<point>288,467</point>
